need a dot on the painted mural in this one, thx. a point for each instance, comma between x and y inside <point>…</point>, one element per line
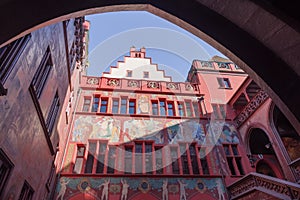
<point>138,128</point>
<point>128,188</point>
<point>88,127</point>
<point>143,104</point>
<point>162,131</point>
<point>222,132</point>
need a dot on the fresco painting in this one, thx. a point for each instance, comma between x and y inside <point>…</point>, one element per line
<point>88,127</point>
<point>221,132</point>
<point>143,105</point>
<point>161,131</point>
<point>140,128</point>
<point>124,188</point>
<point>185,131</point>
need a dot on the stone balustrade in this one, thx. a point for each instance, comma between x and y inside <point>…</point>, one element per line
<point>273,186</point>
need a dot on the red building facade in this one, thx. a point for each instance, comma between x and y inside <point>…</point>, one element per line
<point>136,134</point>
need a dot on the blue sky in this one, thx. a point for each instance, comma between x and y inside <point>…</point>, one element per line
<point>169,46</point>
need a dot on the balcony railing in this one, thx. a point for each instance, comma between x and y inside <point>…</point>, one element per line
<point>275,187</point>
<point>252,106</point>
<point>140,85</point>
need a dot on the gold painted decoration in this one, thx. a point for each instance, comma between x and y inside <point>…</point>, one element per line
<point>92,81</point>
<point>84,185</point>
<point>113,82</point>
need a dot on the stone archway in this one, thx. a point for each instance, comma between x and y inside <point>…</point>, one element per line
<point>264,45</point>
<point>263,156</point>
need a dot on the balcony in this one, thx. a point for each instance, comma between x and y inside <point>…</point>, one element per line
<point>270,186</point>
<point>146,86</point>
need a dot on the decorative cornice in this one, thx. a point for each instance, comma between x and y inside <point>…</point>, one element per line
<point>277,187</point>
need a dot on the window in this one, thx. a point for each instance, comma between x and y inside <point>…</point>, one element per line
<point>129,73</point>
<point>233,159</point>
<point>148,158</point>
<point>72,55</point>
<point>5,168</point>
<point>158,160</point>
<point>79,159</point>
<point>53,112</point>
<point>196,109</point>
<point>103,107</point>
<point>146,75</point>
<point>128,159</point>
<point>154,108</point>
<point>95,104</point>
<point>123,105</point>
<point>224,83</point>
<point>215,111</point>
<point>42,73</point>
<point>222,110</point>
<point>170,109</point>
<point>174,157</point>
<point>138,158</point>
<point>188,109</point>
<point>9,55</point>
<point>180,109</point>
<point>101,157</point>
<point>26,192</point>
<point>91,157</point>
<point>112,159</point>
<point>132,107</point>
<point>184,159</point>
<point>86,104</point>
<point>194,161</point>
<point>162,107</point>
<point>115,108</point>
<point>203,161</point>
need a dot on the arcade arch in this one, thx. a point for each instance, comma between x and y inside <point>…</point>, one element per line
<point>245,40</point>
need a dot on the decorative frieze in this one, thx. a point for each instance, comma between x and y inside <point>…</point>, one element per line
<point>133,83</point>
<point>206,64</point>
<point>113,82</point>
<point>189,87</point>
<point>153,84</point>
<point>92,81</point>
<point>172,86</point>
<point>252,106</point>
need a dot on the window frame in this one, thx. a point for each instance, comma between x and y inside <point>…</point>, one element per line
<point>146,74</point>
<point>124,105</point>
<point>102,105</point>
<point>27,192</point>
<point>6,167</point>
<point>130,107</point>
<point>53,113</point>
<point>129,73</point>
<point>234,159</point>
<point>82,167</point>
<point>155,102</point>
<point>42,73</point>
<point>162,107</point>
<point>172,109</point>
<point>224,83</point>
<point>190,108</point>
<point>181,109</point>
<point>95,104</point>
<point>115,106</point>
<point>86,105</point>
<point>13,52</point>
